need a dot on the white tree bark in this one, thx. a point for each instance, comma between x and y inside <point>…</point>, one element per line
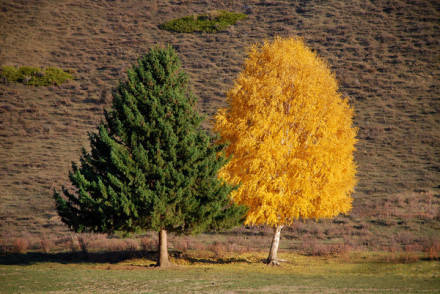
<point>273,259</point>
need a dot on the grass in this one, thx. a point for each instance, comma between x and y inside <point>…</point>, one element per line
<point>361,273</point>
<point>212,22</point>
<point>35,76</point>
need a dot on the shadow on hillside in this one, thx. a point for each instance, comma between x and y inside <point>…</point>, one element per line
<point>74,257</point>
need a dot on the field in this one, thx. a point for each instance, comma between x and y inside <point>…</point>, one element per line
<point>386,56</point>
<point>360,273</point>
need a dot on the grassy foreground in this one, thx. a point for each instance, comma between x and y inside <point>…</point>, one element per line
<point>360,273</point>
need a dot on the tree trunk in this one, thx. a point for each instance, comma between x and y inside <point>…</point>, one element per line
<point>163,250</point>
<point>272,259</point>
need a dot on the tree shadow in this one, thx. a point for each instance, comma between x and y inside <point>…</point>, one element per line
<point>112,257</point>
<point>74,257</point>
<point>229,260</point>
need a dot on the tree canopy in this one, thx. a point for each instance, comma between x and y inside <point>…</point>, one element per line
<point>150,165</point>
<point>291,136</point>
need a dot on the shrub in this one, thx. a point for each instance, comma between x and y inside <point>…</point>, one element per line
<point>35,76</point>
<point>316,231</point>
<point>73,244</point>
<point>239,249</point>
<point>405,238</point>
<point>181,245</point>
<point>408,255</point>
<point>3,246</point>
<point>432,249</point>
<point>116,245</point>
<point>83,243</point>
<point>148,244</point>
<point>131,245</point>
<point>21,245</point>
<point>97,241</point>
<point>211,22</point>
<point>313,248</point>
<point>196,245</point>
<point>218,249</point>
<point>46,244</point>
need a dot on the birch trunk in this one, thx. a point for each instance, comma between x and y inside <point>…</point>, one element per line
<point>273,259</point>
<point>163,250</point>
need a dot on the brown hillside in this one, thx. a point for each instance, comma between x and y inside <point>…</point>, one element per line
<point>386,55</point>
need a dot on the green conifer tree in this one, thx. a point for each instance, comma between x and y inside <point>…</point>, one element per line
<point>151,165</point>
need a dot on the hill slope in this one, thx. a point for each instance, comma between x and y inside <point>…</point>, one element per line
<point>386,55</point>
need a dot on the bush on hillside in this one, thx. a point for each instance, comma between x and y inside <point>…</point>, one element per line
<point>34,76</point>
<point>210,22</point>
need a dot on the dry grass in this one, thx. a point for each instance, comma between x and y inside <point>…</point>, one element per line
<point>46,244</point>
<point>385,55</point>
<point>365,273</point>
<point>432,249</point>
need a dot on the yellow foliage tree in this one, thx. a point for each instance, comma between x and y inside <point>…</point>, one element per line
<point>291,138</point>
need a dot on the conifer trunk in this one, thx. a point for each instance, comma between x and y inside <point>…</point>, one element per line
<point>163,249</point>
<point>272,259</point>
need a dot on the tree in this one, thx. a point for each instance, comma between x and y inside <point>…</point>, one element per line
<point>291,138</point>
<point>151,165</point>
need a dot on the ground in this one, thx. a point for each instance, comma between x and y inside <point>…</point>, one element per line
<point>385,55</point>
<point>359,273</point>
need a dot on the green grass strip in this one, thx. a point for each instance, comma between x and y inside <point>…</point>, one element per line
<point>210,22</point>
<point>34,76</point>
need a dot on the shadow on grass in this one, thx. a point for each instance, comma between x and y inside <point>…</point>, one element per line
<point>74,257</point>
<point>193,259</point>
<point>104,257</point>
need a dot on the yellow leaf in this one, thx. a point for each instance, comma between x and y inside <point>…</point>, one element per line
<point>290,135</point>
